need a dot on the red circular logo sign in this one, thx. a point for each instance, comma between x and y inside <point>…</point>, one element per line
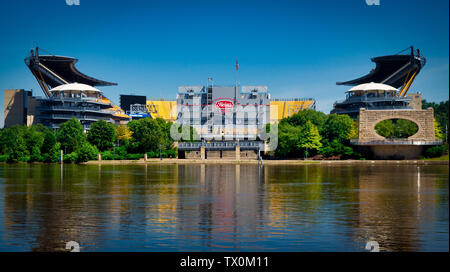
<point>224,105</point>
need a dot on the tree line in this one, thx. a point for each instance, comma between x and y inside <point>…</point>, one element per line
<point>441,125</point>
<point>441,114</point>
<point>38,143</point>
<point>306,134</point>
<point>311,133</point>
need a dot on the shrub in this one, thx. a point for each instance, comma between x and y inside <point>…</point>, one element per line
<point>118,153</point>
<point>3,158</point>
<point>170,153</point>
<point>35,154</point>
<point>153,154</point>
<point>87,152</point>
<point>134,156</point>
<point>107,155</point>
<point>435,151</point>
<point>71,157</point>
<point>49,141</point>
<point>53,154</point>
<point>18,154</point>
<point>335,148</point>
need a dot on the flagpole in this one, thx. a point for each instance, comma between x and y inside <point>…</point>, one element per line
<point>237,68</point>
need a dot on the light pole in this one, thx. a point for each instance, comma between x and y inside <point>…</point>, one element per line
<point>208,80</point>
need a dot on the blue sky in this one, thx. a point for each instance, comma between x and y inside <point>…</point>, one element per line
<point>297,48</point>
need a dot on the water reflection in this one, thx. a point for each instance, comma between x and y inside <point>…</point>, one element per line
<point>223,207</point>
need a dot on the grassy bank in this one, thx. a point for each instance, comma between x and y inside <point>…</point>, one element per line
<point>273,162</point>
<point>442,158</point>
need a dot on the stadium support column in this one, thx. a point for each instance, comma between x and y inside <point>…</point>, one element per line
<point>202,152</point>
<point>238,152</point>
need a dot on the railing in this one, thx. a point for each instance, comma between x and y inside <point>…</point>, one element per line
<point>56,126</point>
<point>373,99</point>
<point>352,109</point>
<point>77,109</point>
<point>221,145</point>
<point>395,142</point>
<point>70,116</point>
<point>70,108</point>
<point>292,99</point>
<point>77,99</point>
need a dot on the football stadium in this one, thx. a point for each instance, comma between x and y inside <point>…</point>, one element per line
<point>69,93</point>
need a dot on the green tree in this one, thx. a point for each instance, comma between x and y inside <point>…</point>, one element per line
<point>337,127</point>
<point>441,112</point>
<point>396,128</point>
<point>354,132</point>
<point>438,130</point>
<point>8,138</point>
<point>87,152</point>
<point>35,154</point>
<point>336,133</point>
<point>34,140</point>
<point>71,135</point>
<point>150,134</point>
<point>315,117</point>
<point>309,139</point>
<point>49,141</point>
<point>404,128</point>
<point>297,141</point>
<point>167,141</point>
<point>18,150</point>
<point>385,128</point>
<point>102,135</point>
<point>337,148</point>
<point>288,140</point>
<point>53,155</point>
<point>187,133</point>
<point>123,134</point>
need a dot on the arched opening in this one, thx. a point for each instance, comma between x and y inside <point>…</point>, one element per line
<point>396,128</point>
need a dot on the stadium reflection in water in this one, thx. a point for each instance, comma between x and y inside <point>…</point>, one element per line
<point>223,207</point>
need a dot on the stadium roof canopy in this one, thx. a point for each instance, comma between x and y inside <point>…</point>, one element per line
<point>51,71</point>
<point>372,87</point>
<point>65,68</point>
<point>393,70</point>
<point>75,87</point>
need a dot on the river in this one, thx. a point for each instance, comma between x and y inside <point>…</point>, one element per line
<point>197,207</point>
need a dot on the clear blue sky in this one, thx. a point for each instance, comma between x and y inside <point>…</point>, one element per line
<point>297,48</point>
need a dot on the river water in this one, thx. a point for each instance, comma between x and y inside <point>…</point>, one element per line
<point>224,207</point>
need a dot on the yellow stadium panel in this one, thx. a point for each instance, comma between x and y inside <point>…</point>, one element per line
<point>164,109</point>
<point>119,114</point>
<point>280,109</point>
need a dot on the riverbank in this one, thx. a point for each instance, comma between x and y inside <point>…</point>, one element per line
<point>442,158</point>
<point>274,162</point>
